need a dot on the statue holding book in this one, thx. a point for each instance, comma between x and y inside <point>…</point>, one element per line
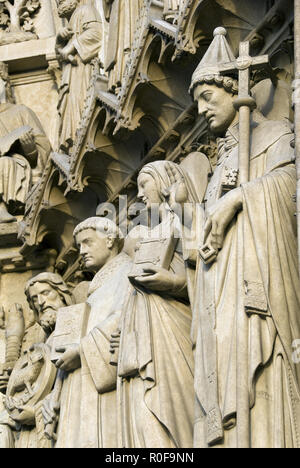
<point>24,150</point>
<point>81,345</point>
<point>155,366</point>
<point>33,375</point>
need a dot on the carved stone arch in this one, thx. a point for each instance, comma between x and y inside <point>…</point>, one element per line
<point>51,197</point>
<point>155,82</point>
<point>196,23</point>
<point>101,118</point>
<point>137,78</point>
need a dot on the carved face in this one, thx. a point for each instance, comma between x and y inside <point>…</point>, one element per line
<point>46,301</point>
<point>66,8</point>
<point>95,248</point>
<point>216,105</point>
<point>148,190</point>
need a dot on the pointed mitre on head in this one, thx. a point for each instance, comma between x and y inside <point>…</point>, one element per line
<point>218,53</point>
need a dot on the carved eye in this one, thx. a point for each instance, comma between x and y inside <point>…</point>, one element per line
<point>207,97</point>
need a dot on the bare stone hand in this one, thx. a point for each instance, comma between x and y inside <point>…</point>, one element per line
<point>26,415</point>
<point>159,279</point>
<point>177,193</point>
<point>28,143</point>
<point>50,409</point>
<point>70,360</point>
<point>64,34</point>
<point>67,54</point>
<point>223,213</point>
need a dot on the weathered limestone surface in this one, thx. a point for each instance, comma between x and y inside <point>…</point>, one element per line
<point>149,181</point>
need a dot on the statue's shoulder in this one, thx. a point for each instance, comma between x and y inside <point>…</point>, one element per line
<point>88,12</point>
<point>117,267</point>
<point>266,133</point>
<point>22,109</point>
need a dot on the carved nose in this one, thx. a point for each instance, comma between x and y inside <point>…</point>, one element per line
<point>82,250</point>
<point>202,109</point>
<point>41,301</point>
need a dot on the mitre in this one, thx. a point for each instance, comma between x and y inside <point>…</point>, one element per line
<point>218,53</point>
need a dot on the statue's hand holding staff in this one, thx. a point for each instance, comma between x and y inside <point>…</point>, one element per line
<point>221,215</point>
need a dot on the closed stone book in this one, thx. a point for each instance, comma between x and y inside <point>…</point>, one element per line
<point>153,252</point>
<point>70,327</point>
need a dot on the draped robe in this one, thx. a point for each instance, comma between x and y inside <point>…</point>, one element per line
<point>246,310</point>
<point>156,368</point>
<point>123,16</point>
<point>16,173</point>
<point>88,416</point>
<point>87,40</point>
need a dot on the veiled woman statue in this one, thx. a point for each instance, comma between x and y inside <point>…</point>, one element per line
<point>155,357</point>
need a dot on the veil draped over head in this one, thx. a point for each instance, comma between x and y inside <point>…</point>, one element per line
<point>158,170</point>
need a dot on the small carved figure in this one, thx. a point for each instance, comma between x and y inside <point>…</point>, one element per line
<point>76,45</point>
<point>24,150</point>
<point>123,16</point>
<point>28,374</point>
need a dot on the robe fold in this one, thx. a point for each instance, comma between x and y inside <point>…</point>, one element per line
<point>87,40</point>
<point>246,310</point>
<point>156,369</point>
<point>88,417</point>
<point>123,20</point>
<point>16,173</point>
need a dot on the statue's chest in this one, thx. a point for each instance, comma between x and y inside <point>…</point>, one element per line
<point>224,178</point>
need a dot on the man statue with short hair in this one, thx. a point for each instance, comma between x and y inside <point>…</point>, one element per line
<point>88,415</point>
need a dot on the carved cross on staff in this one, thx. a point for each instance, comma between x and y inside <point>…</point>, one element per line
<point>244,103</point>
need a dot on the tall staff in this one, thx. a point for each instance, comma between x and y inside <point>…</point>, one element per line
<point>297,113</point>
<point>244,103</point>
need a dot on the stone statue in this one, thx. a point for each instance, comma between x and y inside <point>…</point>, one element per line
<point>123,16</point>
<point>88,415</point>
<point>156,367</point>
<point>76,45</point>
<point>246,305</point>
<point>24,150</point>
<point>33,375</point>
